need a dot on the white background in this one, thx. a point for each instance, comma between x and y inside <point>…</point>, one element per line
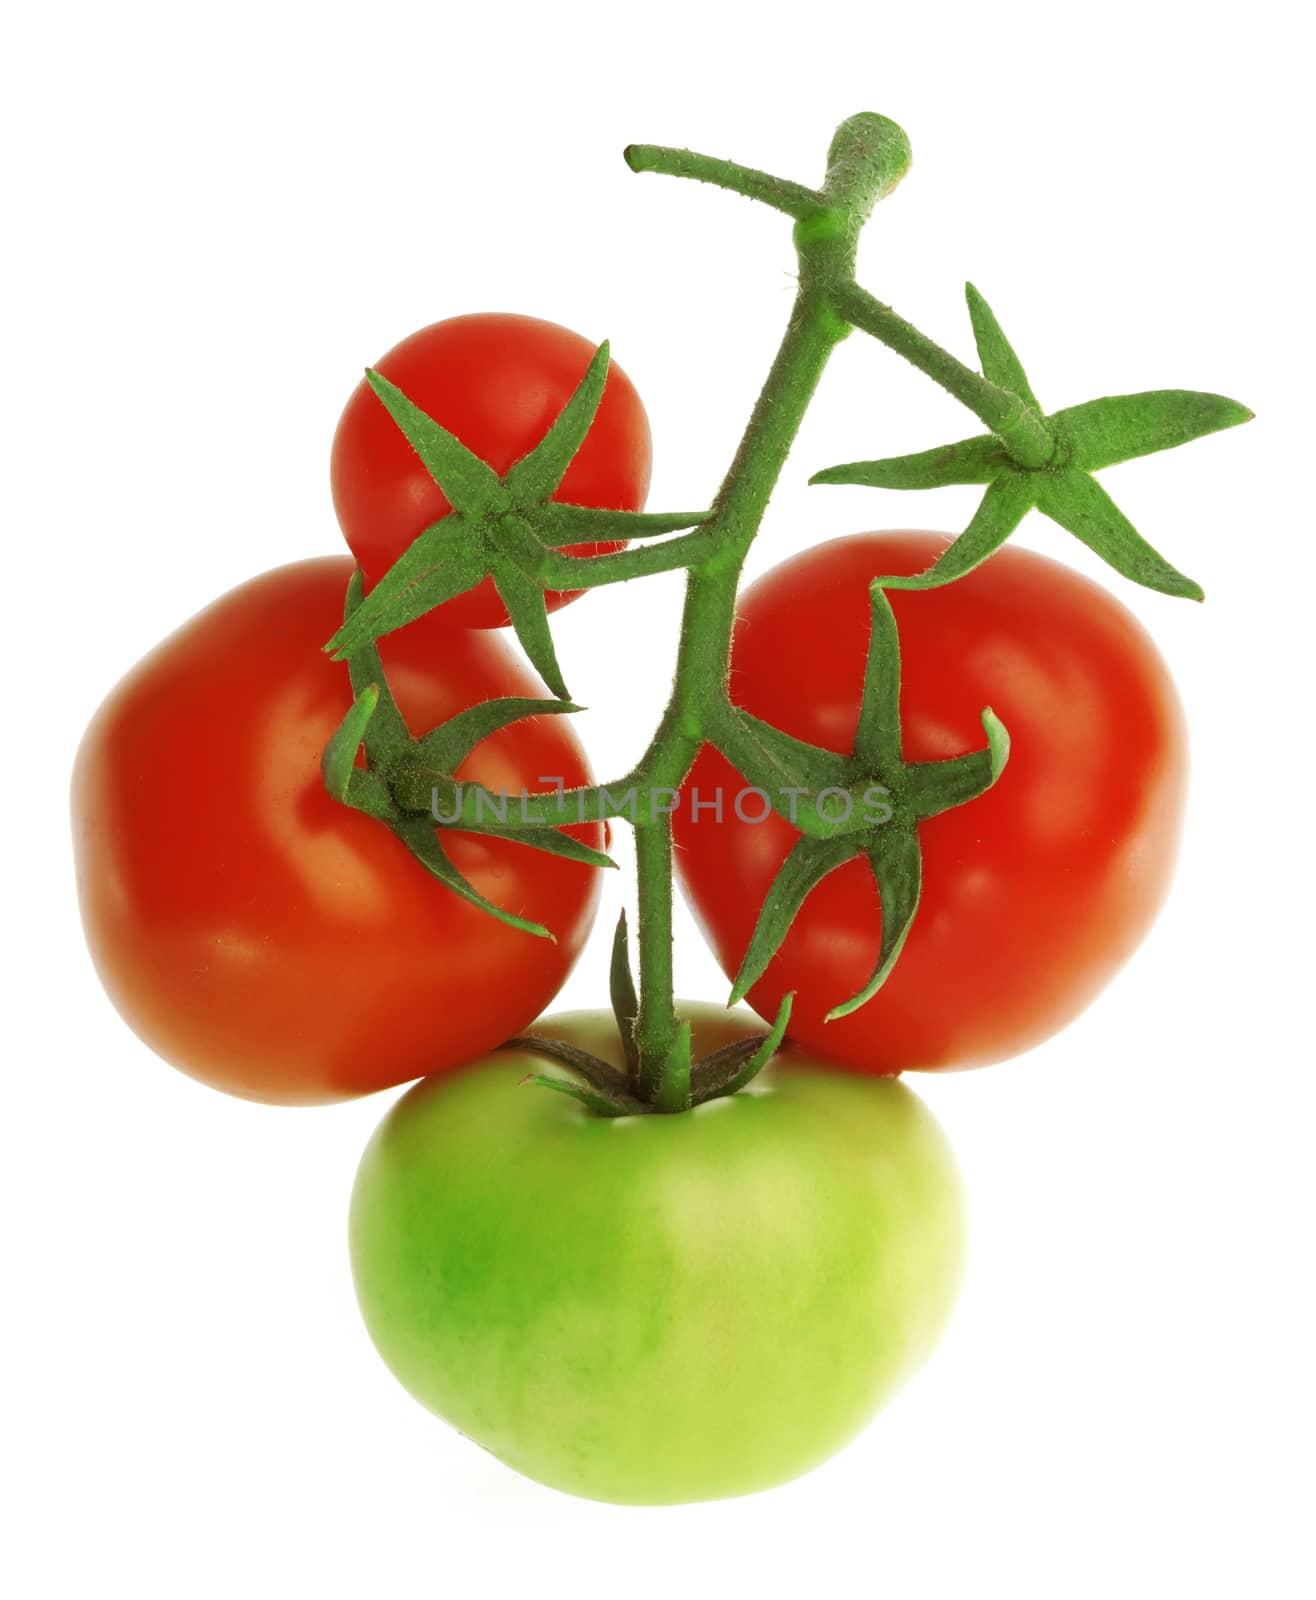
<point>218,216</point>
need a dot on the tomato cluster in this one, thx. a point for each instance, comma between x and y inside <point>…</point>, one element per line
<point>778,1260</point>
<point>257,934</point>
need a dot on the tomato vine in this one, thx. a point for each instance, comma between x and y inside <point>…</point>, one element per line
<point>509,529</point>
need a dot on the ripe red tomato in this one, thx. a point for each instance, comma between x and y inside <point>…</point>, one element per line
<point>258,934</point>
<point>1035,893</point>
<point>497,382</point>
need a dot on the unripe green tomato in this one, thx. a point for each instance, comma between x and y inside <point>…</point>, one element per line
<point>655,1309</point>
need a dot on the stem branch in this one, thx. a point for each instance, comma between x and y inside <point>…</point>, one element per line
<point>1015,424</point>
<point>792,198</point>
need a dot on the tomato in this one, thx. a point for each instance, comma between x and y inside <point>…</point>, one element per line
<point>1033,894</point>
<point>654,1309</point>
<point>258,934</point>
<point>497,382</point>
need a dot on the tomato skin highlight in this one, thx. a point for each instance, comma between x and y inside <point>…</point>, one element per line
<point>497,381</point>
<point>656,1309</point>
<point>1035,893</point>
<point>261,936</point>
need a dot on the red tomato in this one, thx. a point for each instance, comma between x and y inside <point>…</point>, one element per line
<point>258,934</point>
<point>1035,893</point>
<point>497,382</point>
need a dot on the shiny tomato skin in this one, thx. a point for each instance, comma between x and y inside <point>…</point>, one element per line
<point>497,381</point>
<point>1033,894</point>
<point>656,1309</point>
<point>259,935</point>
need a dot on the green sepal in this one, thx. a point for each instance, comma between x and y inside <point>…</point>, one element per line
<point>804,765</point>
<point>897,863</point>
<point>599,1074</point>
<point>535,476</point>
<point>625,1001</point>
<point>539,836</point>
<point>976,460</point>
<point>469,484</point>
<point>1121,427</point>
<point>447,746</point>
<point>338,760</point>
<point>419,836</point>
<point>999,513</point>
<point>600,1105</point>
<point>387,729</point>
<point>1082,507</point>
<point>434,568</point>
<point>803,869</point>
<point>877,741</point>
<point>557,523</point>
<point>733,1066</point>
<point>931,787</point>
<point>524,599</point>
<point>1000,365</point>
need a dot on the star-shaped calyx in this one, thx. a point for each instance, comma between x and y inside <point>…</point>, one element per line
<point>504,527</point>
<point>1085,439</point>
<point>868,803</point>
<point>680,1083</point>
<point>374,724</point>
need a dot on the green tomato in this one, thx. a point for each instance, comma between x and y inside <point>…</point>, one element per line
<point>655,1309</point>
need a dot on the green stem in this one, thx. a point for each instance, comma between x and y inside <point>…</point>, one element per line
<point>792,198</point>
<point>557,570</point>
<point>699,692</point>
<point>655,1023</point>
